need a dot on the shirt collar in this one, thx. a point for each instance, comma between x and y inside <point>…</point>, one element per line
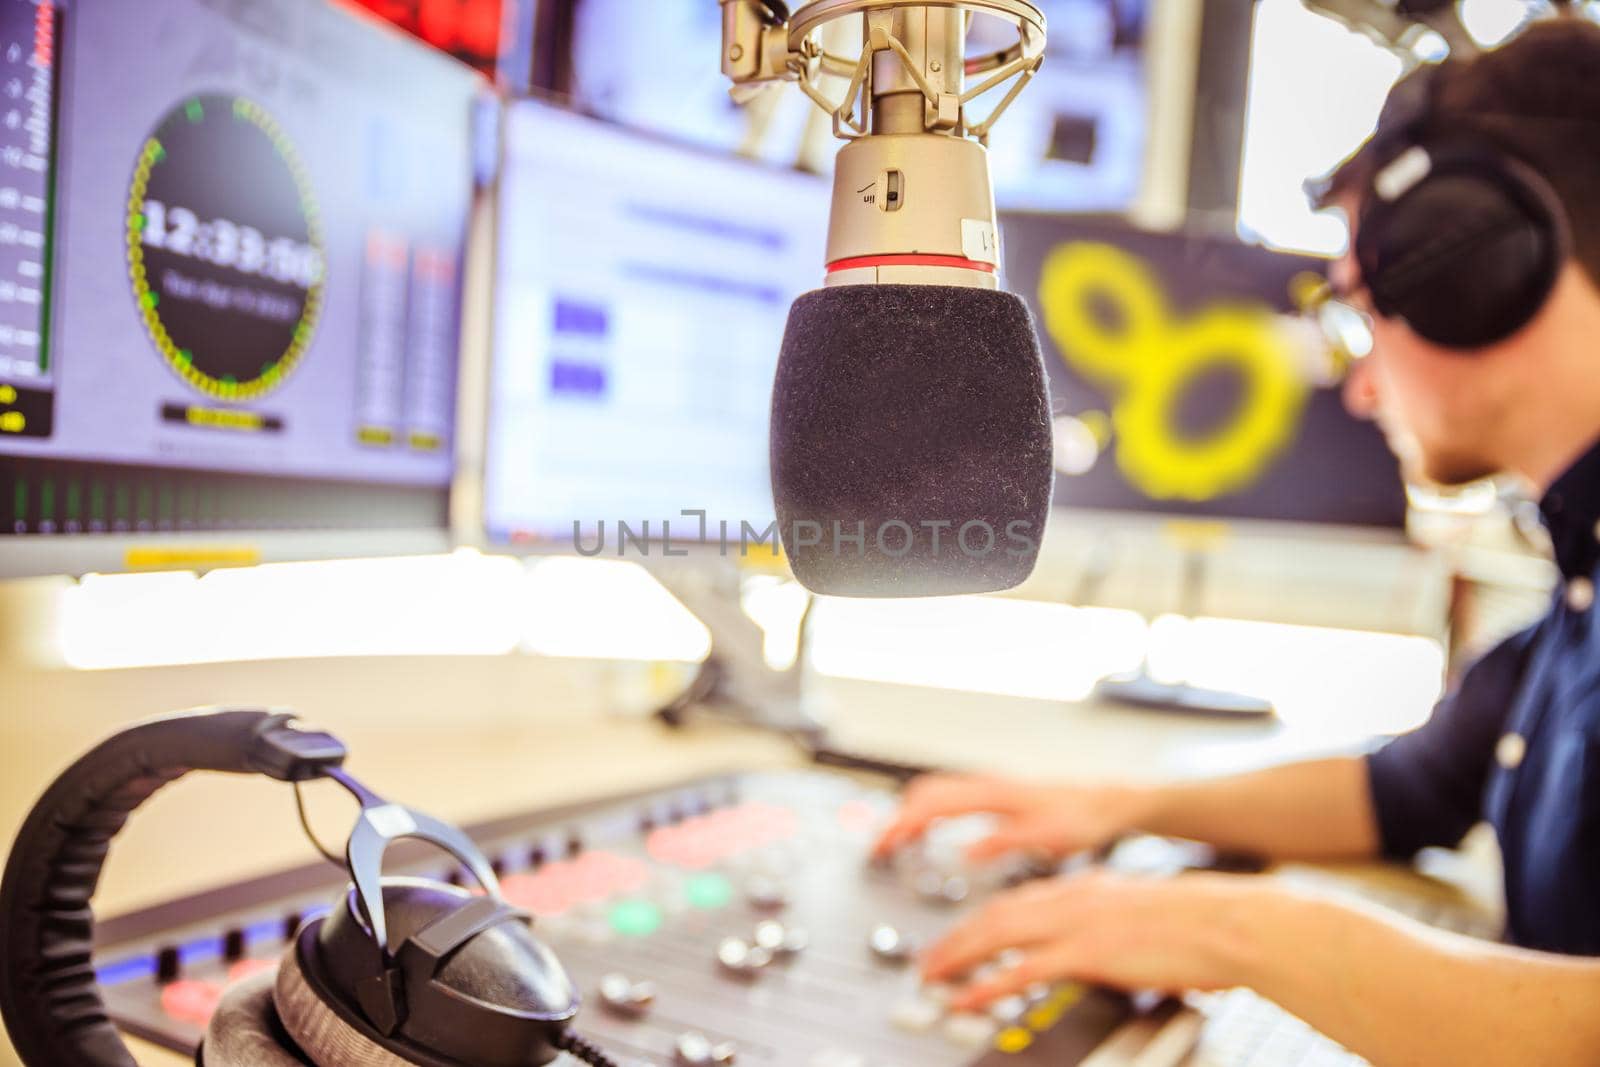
<point>1571,511</point>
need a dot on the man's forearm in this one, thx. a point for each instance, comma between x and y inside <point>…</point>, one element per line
<point>1403,995</point>
<point>1315,810</point>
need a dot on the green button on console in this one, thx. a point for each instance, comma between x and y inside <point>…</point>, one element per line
<point>634,918</point>
<point>709,891</point>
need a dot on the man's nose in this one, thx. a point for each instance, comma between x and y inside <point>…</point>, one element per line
<point>1361,390</point>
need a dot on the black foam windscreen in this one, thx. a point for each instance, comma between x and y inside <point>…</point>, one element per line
<point>911,441</point>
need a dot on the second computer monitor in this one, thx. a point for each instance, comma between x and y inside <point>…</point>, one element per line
<point>641,292</point>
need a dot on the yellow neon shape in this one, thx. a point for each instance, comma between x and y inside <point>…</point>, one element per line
<point>1165,465</point>
<point>1149,359</point>
<point>1076,273</point>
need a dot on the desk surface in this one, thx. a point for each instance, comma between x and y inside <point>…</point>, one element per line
<point>468,768</point>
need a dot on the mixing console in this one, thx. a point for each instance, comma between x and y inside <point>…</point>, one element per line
<point>732,921</point>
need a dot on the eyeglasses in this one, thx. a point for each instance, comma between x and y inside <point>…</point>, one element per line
<point>1346,328</point>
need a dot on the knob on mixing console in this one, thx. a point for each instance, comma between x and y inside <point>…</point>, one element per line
<point>697,1050</point>
<point>890,945</point>
<point>622,996</point>
<point>780,940</point>
<point>742,959</point>
<point>946,889</point>
<point>766,894</point>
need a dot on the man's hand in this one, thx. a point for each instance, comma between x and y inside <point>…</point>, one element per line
<point>1057,820</point>
<point>1385,987</point>
<point>1170,934</point>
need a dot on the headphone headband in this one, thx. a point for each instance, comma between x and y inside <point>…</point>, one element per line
<point>1456,236</point>
<point>430,973</point>
<point>379,825</point>
<point>49,998</point>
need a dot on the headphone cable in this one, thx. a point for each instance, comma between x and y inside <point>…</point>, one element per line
<point>305,824</point>
<point>574,1045</point>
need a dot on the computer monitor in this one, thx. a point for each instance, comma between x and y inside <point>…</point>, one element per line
<point>493,36</point>
<point>231,249</point>
<point>1075,140</point>
<point>1179,389</point>
<point>641,292</point>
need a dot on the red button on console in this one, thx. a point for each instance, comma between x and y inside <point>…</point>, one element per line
<point>190,1000</point>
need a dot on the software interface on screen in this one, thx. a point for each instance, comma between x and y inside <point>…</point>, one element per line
<point>641,294</point>
<point>1075,141</point>
<point>231,241</point>
<point>1178,386</point>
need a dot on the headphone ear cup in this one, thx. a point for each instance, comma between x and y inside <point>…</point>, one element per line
<point>312,1024</point>
<point>1468,256</point>
<point>245,1032</point>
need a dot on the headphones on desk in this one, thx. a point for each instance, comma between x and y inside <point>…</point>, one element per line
<point>1456,236</point>
<point>400,972</point>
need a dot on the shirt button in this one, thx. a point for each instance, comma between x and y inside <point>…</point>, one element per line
<point>1510,751</point>
<point>1580,594</point>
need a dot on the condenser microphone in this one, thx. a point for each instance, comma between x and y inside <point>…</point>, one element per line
<point>911,430</point>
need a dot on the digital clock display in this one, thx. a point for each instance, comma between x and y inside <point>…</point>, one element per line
<point>225,247</point>
<point>228,244</point>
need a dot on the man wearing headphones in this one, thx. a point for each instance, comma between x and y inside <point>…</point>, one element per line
<point>1475,217</point>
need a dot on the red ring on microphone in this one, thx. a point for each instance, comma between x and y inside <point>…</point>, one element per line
<point>911,261</point>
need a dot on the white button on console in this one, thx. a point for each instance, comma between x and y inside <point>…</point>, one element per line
<point>696,1050</point>
<point>739,957</point>
<point>969,1030</point>
<point>1008,1010</point>
<point>780,940</point>
<point>766,894</point>
<point>942,889</point>
<point>890,945</point>
<point>622,996</point>
<point>693,1050</point>
<point>917,1015</point>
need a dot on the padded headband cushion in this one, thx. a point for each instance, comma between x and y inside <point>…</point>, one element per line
<point>1469,254</point>
<point>245,1031</point>
<point>48,995</point>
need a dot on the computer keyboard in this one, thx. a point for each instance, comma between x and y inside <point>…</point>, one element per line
<point>1245,1030</point>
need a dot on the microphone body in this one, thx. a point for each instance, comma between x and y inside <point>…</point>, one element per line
<point>911,431</point>
<point>913,209</point>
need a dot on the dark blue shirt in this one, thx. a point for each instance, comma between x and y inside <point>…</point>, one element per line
<point>1518,742</point>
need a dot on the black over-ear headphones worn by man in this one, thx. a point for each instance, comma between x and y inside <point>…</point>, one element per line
<point>1456,237</point>
<point>400,972</point>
